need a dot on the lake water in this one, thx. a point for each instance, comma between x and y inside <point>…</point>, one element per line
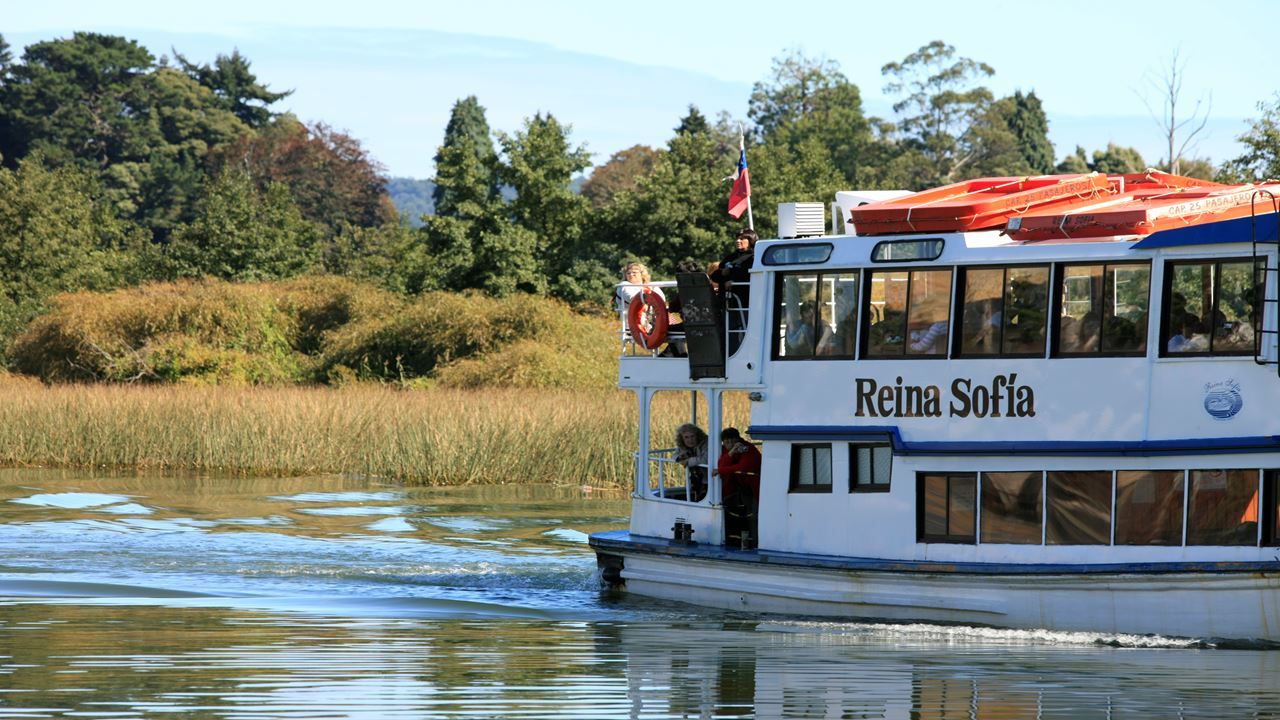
<point>132,597</point>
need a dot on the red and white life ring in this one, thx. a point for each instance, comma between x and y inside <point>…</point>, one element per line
<point>647,318</point>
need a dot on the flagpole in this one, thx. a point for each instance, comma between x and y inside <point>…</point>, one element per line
<point>742,144</point>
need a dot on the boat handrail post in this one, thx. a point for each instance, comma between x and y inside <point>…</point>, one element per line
<point>641,488</point>
<point>715,421</point>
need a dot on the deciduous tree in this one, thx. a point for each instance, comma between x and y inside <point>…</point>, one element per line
<point>940,103</point>
<point>1261,159</point>
<point>623,171</point>
<point>331,178</point>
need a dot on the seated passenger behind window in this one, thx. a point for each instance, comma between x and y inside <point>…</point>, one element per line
<point>837,338</point>
<point>800,331</point>
<point>691,452</point>
<point>931,340</point>
<point>1187,332</point>
<point>1186,340</point>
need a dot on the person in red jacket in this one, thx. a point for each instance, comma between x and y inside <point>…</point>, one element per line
<point>738,466</point>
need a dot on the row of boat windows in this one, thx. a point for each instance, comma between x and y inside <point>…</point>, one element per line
<point>1072,310</point>
<point>1124,507</point>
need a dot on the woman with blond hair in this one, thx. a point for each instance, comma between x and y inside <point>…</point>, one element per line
<point>635,276</point>
<point>691,452</point>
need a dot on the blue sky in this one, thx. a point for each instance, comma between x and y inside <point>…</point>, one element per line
<point>388,72</point>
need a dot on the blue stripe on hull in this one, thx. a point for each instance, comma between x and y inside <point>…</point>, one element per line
<point>1142,448</point>
<point>618,541</point>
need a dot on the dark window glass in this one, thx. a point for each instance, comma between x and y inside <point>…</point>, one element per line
<point>907,250</point>
<point>947,510</point>
<point>1210,308</point>
<point>909,313</point>
<point>816,316</point>
<point>1149,507</point>
<point>1103,309</point>
<point>982,311</point>
<point>870,466</point>
<point>1011,507</point>
<point>837,314</point>
<point>1126,299</point>
<point>1271,507</point>
<point>1005,311</point>
<point>1223,507</point>
<point>1078,508</point>
<point>811,468</point>
<point>1026,304</point>
<point>797,254</point>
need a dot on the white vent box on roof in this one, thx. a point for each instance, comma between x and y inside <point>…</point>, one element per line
<point>801,219</point>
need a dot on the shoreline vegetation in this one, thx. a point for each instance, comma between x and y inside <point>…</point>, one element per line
<point>320,375</point>
<point>438,436</point>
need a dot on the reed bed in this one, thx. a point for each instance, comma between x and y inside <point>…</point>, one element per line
<point>433,436</point>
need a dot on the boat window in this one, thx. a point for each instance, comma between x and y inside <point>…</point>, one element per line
<point>1222,507</point>
<point>1011,507</point>
<point>807,254</point>
<point>1149,507</point>
<point>947,510</point>
<point>870,465</point>
<point>1078,508</point>
<point>811,468</point>
<point>920,250</point>
<point>1102,309</point>
<point>908,313</point>
<point>816,316</point>
<point>1004,310</point>
<point>1210,308</point>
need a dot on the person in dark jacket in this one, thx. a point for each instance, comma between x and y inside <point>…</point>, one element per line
<point>734,278</point>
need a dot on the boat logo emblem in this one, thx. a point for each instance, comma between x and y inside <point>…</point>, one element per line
<point>1222,400</point>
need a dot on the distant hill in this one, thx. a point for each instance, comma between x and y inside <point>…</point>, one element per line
<point>412,198</point>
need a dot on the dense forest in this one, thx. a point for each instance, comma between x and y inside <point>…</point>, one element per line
<point>120,169</point>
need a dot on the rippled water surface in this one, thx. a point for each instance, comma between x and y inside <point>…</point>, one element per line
<point>130,597</point>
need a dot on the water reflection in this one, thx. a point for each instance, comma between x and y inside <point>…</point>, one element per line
<point>235,598</point>
<point>99,661</point>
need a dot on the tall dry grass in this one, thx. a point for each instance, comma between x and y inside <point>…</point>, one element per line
<point>436,436</point>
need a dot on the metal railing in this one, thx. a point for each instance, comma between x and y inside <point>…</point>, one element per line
<point>670,480</point>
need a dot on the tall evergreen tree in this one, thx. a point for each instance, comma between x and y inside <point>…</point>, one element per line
<point>244,235</point>
<point>467,142</point>
<point>539,164</point>
<point>74,99</point>
<point>1030,126</point>
<point>6,58</point>
<point>236,87</point>
<point>693,123</point>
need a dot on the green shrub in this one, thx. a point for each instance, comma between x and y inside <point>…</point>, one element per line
<point>520,340</point>
<point>317,328</point>
<point>152,332</point>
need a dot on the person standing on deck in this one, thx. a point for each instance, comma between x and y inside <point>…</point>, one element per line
<point>734,278</point>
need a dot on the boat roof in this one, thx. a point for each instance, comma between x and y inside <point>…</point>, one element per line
<point>1148,210</point>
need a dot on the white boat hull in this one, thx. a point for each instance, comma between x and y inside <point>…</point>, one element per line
<point>1234,605</point>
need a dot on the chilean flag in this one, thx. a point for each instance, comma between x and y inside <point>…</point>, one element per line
<point>740,195</point>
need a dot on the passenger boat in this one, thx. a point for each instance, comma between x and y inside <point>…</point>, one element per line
<point>959,426</point>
